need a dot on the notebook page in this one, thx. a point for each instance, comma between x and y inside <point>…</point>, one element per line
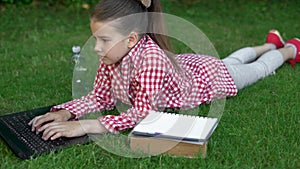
<point>182,127</point>
<point>156,122</point>
<point>177,125</point>
<point>203,127</point>
<point>192,127</point>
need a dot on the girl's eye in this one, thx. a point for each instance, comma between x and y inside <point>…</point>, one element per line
<point>102,39</point>
<point>105,40</point>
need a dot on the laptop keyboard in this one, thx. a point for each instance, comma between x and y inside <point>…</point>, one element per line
<point>18,124</point>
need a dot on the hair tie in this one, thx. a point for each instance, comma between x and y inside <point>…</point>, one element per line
<point>146,3</point>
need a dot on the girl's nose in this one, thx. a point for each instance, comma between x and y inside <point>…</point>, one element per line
<point>97,47</point>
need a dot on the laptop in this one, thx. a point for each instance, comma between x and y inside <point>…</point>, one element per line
<point>17,134</point>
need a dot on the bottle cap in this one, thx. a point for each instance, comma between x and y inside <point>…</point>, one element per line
<point>76,49</point>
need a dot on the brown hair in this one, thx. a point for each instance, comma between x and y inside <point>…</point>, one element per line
<point>108,10</point>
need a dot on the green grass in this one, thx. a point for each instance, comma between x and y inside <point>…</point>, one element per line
<point>259,127</point>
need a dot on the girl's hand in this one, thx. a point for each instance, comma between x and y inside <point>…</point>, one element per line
<point>55,130</point>
<point>37,122</point>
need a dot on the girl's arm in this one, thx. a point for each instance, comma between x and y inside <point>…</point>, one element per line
<point>110,123</point>
<point>100,98</point>
<point>145,95</point>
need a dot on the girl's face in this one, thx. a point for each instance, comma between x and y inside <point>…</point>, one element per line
<point>111,46</point>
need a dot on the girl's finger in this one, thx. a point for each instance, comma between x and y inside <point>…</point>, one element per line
<point>51,131</point>
<point>42,119</point>
<point>57,135</point>
<point>32,123</point>
<point>47,127</point>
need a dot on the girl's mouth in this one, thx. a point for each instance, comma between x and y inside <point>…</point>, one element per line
<point>101,56</point>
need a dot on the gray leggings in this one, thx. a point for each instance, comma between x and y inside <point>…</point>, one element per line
<point>246,69</point>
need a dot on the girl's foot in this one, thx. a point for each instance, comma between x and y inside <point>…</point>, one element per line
<point>275,38</point>
<point>296,44</point>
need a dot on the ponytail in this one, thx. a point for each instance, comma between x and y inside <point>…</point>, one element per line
<point>158,31</point>
<point>157,28</point>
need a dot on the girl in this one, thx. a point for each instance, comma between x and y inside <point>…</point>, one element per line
<point>135,69</point>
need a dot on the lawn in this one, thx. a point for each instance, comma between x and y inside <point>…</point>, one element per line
<point>259,127</point>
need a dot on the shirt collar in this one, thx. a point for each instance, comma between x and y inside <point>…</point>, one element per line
<point>134,55</point>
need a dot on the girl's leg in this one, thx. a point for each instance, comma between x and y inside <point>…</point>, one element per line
<point>247,74</point>
<point>288,53</point>
<point>241,56</point>
<point>247,54</point>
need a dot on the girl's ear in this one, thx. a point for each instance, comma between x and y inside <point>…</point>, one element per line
<point>133,39</point>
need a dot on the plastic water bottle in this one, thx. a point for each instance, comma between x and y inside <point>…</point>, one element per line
<point>76,54</point>
<point>79,84</point>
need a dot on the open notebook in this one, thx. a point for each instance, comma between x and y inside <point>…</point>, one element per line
<point>192,129</point>
<point>14,130</point>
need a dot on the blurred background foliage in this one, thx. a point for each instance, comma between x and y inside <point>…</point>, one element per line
<point>78,4</point>
<point>85,4</point>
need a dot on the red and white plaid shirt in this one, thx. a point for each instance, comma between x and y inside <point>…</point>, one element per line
<point>147,80</point>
